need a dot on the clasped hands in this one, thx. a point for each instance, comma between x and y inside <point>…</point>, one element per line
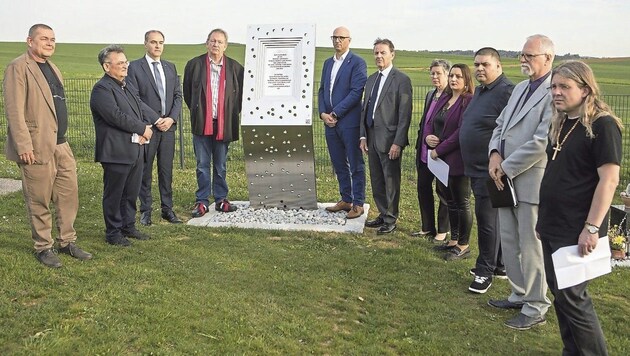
<point>146,136</point>
<point>328,119</point>
<point>432,141</point>
<point>495,170</point>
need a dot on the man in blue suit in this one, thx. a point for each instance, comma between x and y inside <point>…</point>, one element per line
<point>158,86</point>
<point>340,92</point>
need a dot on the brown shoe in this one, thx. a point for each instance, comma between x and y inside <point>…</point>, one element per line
<point>355,212</point>
<point>341,205</point>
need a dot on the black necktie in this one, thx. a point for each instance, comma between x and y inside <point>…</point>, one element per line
<point>372,102</point>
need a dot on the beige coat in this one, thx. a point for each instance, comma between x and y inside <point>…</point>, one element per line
<point>30,110</point>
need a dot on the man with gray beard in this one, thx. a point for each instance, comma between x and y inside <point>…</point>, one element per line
<point>517,150</point>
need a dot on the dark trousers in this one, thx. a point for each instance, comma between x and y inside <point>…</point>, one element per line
<point>579,326</point>
<point>487,230</point>
<point>457,196</point>
<point>385,177</point>
<point>347,159</point>
<point>426,202</point>
<point>162,145</point>
<point>121,185</point>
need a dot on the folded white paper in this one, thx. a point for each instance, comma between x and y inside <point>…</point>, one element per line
<point>573,269</point>
<point>439,168</point>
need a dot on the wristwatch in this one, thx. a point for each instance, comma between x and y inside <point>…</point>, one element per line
<point>592,229</point>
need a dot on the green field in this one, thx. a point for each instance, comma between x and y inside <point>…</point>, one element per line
<point>79,61</point>
<point>194,290</point>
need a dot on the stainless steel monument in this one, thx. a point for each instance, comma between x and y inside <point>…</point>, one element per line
<point>276,119</point>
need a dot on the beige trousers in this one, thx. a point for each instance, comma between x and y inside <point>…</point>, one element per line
<point>56,182</point>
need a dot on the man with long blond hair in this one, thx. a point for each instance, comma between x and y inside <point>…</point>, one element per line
<point>578,186</point>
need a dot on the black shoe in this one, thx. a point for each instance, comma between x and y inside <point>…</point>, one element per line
<point>524,322</point>
<point>199,210</point>
<point>375,223</point>
<point>504,304</point>
<point>443,247</point>
<point>135,234</point>
<point>145,218</point>
<point>74,251</point>
<point>386,229</point>
<point>225,206</point>
<point>171,217</point>
<point>48,258</point>
<point>426,234</point>
<point>456,253</point>
<point>118,240</point>
<point>480,284</point>
<point>498,273</point>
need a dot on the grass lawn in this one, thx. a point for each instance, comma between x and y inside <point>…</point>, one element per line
<point>232,291</point>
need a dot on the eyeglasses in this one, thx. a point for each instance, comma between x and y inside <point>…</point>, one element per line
<point>338,38</point>
<point>121,63</point>
<point>528,57</point>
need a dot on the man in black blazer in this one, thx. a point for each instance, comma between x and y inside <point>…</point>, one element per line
<point>213,89</point>
<point>123,124</point>
<point>158,86</point>
<point>385,121</point>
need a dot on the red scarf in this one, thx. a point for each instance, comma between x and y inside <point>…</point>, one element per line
<point>208,128</point>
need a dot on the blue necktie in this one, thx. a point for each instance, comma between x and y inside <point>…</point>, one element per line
<point>160,86</point>
<point>372,102</point>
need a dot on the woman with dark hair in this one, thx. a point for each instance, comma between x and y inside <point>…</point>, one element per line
<point>439,77</point>
<point>575,193</point>
<point>442,140</point>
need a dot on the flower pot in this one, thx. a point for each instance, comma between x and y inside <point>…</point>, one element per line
<point>618,254</point>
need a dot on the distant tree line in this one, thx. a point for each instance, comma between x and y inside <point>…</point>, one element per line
<point>504,54</point>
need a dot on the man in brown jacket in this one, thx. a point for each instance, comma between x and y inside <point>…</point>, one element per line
<point>37,117</point>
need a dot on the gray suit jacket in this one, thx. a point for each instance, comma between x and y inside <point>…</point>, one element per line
<point>392,113</point>
<point>525,133</point>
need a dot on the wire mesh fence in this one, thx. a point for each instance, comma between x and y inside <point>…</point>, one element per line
<point>81,130</point>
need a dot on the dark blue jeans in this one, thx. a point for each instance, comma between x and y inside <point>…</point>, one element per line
<point>210,151</point>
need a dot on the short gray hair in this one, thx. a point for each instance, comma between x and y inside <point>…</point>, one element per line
<point>446,65</point>
<point>37,26</point>
<point>217,30</point>
<point>103,55</point>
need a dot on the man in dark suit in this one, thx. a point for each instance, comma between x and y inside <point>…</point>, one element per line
<point>123,124</point>
<point>37,120</point>
<point>385,121</point>
<point>340,92</point>
<point>158,86</point>
<point>213,89</point>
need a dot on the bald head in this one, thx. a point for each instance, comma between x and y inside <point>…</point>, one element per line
<point>341,40</point>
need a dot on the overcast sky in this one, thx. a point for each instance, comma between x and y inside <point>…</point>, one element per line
<point>587,27</point>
